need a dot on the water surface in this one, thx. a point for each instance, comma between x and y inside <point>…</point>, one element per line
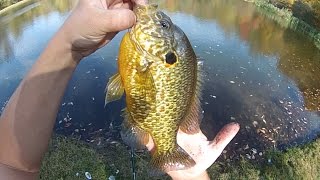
<point>256,73</point>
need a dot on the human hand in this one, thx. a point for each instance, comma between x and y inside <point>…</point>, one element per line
<point>93,23</point>
<point>204,152</point>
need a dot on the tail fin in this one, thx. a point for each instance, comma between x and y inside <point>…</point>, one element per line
<point>178,159</point>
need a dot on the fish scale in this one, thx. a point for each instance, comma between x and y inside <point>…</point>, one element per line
<point>159,74</point>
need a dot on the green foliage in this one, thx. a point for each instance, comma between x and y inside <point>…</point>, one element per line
<point>67,157</point>
<point>6,3</point>
<point>285,18</point>
<point>295,163</point>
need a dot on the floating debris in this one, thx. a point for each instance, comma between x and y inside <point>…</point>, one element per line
<point>67,125</point>
<point>88,175</point>
<point>246,147</point>
<point>112,178</point>
<point>248,156</point>
<point>254,151</point>
<point>213,96</point>
<point>255,123</point>
<point>232,82</point>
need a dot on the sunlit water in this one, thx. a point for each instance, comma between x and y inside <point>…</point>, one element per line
<point>256,73</point>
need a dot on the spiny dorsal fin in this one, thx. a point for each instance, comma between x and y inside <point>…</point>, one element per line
<point>114,89</point>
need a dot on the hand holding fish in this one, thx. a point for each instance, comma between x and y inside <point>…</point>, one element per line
<point>204,152</point>
<point>94,23</point>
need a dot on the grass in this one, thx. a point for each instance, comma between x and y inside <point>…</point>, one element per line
<point>285,18</point>
<point>6,3</point>
<point>295,163</point>
<point>67,157</point>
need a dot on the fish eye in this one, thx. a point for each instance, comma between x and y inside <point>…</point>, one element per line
<point>165,24</point>
<point>171,58</point>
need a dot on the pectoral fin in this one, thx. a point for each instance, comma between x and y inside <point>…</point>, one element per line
<point>114,89</point>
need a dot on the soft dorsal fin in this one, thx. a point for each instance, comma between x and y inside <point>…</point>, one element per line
<point>191,122</point>
<point>114,89</point>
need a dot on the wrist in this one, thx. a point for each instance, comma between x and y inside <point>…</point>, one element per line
<point>183,176</point>
<point>60,47</point>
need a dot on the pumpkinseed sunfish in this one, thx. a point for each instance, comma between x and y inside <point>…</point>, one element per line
<point>159,73</point>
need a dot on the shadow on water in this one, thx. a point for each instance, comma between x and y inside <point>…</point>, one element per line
<point>256,73</point>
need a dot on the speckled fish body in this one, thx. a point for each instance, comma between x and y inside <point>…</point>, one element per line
<point>159,73</point>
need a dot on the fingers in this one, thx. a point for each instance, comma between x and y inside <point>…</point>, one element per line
<point>118,19</point>
<point>142,2</point>
<point>225,135</point>
<point>150,145</point>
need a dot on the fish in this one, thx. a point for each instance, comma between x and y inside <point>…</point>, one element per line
<point>160,75</point>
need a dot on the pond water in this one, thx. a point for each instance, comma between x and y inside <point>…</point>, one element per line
<point>257,73</point>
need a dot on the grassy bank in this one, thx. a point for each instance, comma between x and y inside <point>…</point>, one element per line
<point>70,159</point>
<point>286,15</point>
<point>296,163</point>
<point>6,3</point>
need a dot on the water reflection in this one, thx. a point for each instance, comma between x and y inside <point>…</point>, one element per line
<point>264,36</point>
<point>256,73</point>
<point>13,23</point>
<point>258,94</point>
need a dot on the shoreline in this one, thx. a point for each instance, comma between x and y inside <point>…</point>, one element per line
<point>285,18</point>
<point>68,156</point>
<point>12,7</point>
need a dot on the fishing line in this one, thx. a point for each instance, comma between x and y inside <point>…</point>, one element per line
<point>133,165</point>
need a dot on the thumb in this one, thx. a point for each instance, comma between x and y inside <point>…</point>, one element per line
<point>225,135</point>
<point>118,19</point>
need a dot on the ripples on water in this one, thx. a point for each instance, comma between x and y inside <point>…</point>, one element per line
<point>256,73</point>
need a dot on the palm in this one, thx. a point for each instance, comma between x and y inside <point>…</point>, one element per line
<point>204,152</point>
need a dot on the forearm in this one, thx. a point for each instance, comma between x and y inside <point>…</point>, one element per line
<point>27,122</point>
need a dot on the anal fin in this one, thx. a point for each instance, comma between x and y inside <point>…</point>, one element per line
<point>131,134</point>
